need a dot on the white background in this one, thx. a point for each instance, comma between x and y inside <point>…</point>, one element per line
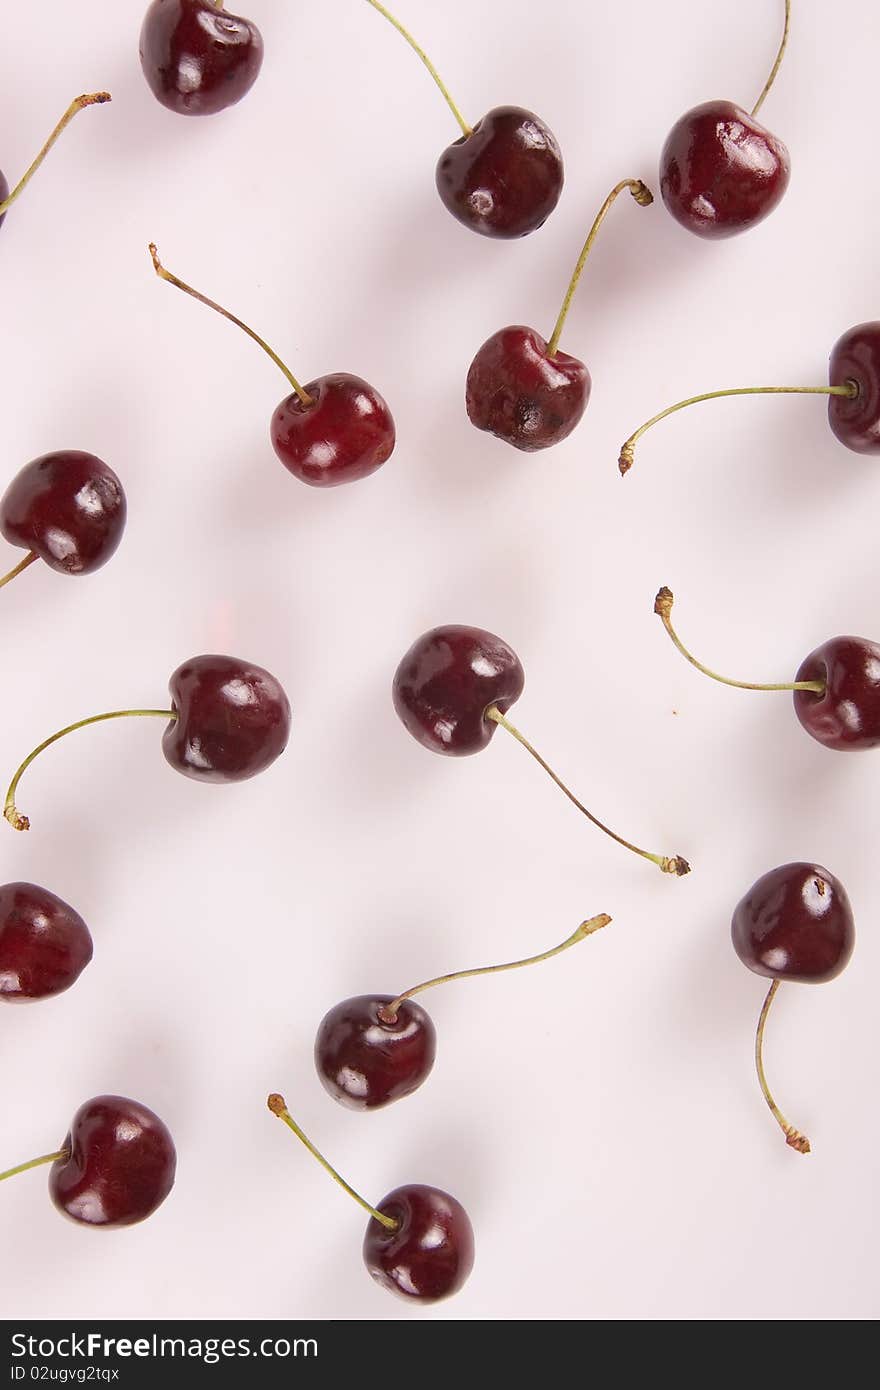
<point>599,1117</point>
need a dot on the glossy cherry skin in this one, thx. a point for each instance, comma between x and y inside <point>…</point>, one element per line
<point>795,923</point>
<point>69,508</point>
<point>121,1166</point>
<point>431,1253</point>
<point>198,59</point>
<point>233,719</point>
<point>447,681</point>
<point>847,716</point>
<point>720,171</point>
<point>519,394</point>
<point>855,420</point>
<point>364,1061</point>
<point>504,179</point>
<point>345,434</point>
<point>44,944</point>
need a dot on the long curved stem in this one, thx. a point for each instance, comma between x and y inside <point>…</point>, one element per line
<point>793,1136</point>
<point>388,1012</point>
<point>663,608</point>
<point>673,864</point>
<point>22,565</point>
<point>35,1163</point>
<point>12,814</point>
<point>775,68</point>
<point>164,274</point>
<point>644,198</point>
<point>466,130</point>
<point>625,461</point>
<point>90,99</point>
<point>278,1105</point>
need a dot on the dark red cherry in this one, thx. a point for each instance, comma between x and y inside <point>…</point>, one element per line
<point>430,1254</point>
<point>233,719</point>
<point>855,420</point>
<point>795,923</point>
<point>346,432</point>
<point>722,172</point>
<point>69,508</point>
<point>121,1165</point>
<point>44,943</point>
<point>198,58</point>
<point>364,1060</point>
<point>847,716</point>
<point>505,178</point>
<point>517,392</point>
<point>447,681</point>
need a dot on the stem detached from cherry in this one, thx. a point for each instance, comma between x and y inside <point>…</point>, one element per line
<point>79,104</point>
<point>793,1136</point>
<point>778,63</point>
<point>663,608</point>
<point>466,130</point>
<point>668,864</point>
<point>388,1012</point>
<point>278,1105</point>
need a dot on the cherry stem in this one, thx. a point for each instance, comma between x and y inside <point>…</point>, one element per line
<point>388,1012</point>
<point>22,565</point>
<point>793,1136</point>
<point>626,459</point>
<point>663,608</point>
<point>466,130</point>
<point>667,864</point>
<point>14,816</point>
<point>35,1163</point>
<point>776,66</point>
<point>91,99</point>
<point>164,274</point>
<point>278,1105</point>
<point>644,197</point>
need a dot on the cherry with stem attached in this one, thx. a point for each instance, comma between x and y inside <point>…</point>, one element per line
<point>197,57</point>
<point>836,690</point>
<point>721,171</point>
<point>7,198</point>
<point>794,924</point>
<point>375,1048</point>
<point>336,429</point>
<point>453,688</point>
<point>520,386</point>
<point>504,175</point>
<point>419,1242</point>
<point>228,721</point>
<point>67,509</point>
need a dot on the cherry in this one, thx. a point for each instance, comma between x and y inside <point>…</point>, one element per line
<point>454,687</point>
<point>197,58</point>
<point>520,387</point>
<point>44,944</point>
<point>503,176</point>
<point>721,171</point>
<point>419,1242</point>
<point>853,395</point>
<point>334,430</point>
<point>836,690</point>
<point>794,924</point>
<point>66,508</point>
<point>374,1049</point>
<point>228,721</point>
<point>115,1167</point>
<point>79,104</point>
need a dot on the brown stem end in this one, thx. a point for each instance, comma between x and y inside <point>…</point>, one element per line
<point>642,194</point>
<point>16,819</point>
<point>277,1104</point>
<point>676,865</point>
<point>93,99</point>
<point>626,459</point>
<point>663,602</point>
<point>798,1141</point>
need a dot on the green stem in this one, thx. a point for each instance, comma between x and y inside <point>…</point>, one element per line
<point>793,1136</point>
<point>278,1105</point>
<point>644,198</point>
<point>466,130</point>
<point>663,608</point>
<point>673,864</point>
<point>35,1163</point>
<point>22,565</point>
<point>91,99</point>
<point>164,274</point>
<point>12,814</point>
<point>774,70</point>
